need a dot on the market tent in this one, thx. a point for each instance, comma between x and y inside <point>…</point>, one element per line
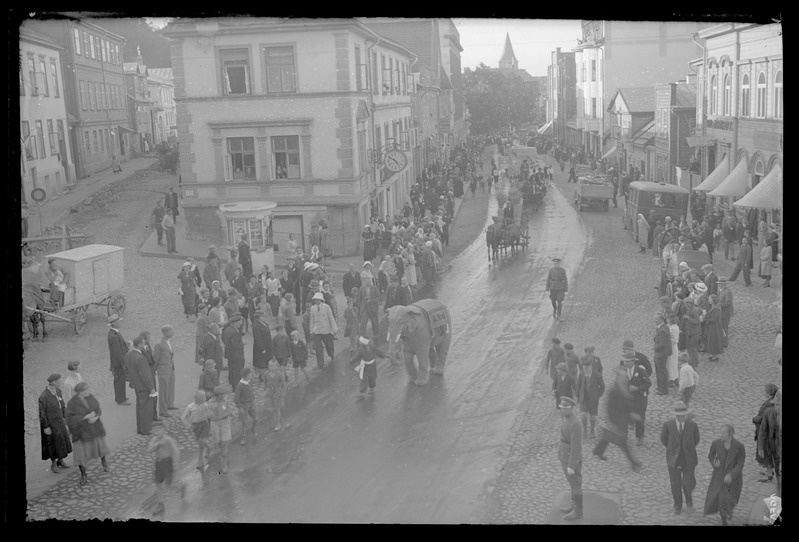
<point>767,194</point>
<point>736,183</point>
<point>715,178</point>
<point>610,153</point>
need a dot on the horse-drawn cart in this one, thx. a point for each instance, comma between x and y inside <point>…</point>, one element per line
<point>95,276</point>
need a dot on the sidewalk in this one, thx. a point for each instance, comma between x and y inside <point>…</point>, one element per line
<point>55,209</point>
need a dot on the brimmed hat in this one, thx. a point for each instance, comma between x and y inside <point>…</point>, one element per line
<point>700,287</point>
<point>114,318</point>
<point>367,262</point>
<point>722,280</point>
<point>683,265</point>
<point>53,377</point>
<point>232,291</point>
<point>707,266</point>
<point>628,344</point>
<point>201,305</point>
<point>319,296</point>
<point>313,266</point>
<point>428,243</point>
<point>260,314</point>
<point>567,402</point>
<point>235,318</point>
<point>307,265</point>
<point>680,408</point>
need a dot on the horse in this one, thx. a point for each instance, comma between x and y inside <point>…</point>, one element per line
<point>493,235</point>
<point>511,236</point>
<point>33,298</point>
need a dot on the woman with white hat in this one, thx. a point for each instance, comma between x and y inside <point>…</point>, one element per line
<point>188,293</point>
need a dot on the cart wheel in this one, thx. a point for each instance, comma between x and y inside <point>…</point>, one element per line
<point>79,319</point>
<point>116,305</point>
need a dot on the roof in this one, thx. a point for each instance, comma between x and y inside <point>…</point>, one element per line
<point>685,95</point>
<point>647,186</point>
<point>645,134</point>
<point>507,53</point>
<point>26,34</point>
<point>134,68</point>
<point>85,252</point>
<point>638,99</point>
<point>417,35</point>
<point>161,73</point>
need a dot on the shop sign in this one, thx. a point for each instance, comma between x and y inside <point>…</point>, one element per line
<point>720,124</point>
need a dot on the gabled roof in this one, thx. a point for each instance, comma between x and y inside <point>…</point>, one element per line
<point>134,68</point>
<point>26,33</point>
<point>161,73</point>
<point>685,95</point>
<point>507,54</point>
<point>637,99</point>
<point>645,134</point>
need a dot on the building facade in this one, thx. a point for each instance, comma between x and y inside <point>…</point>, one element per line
<point>141,107</point>
<point>562,97</point>
<point>630,53</point>
<point>452,124</point>
<point>675,120</point>
<point>162,91</point>
<point>630,110</point>
<point>46,159</point>
<point>95,92</point>
<point>288,110</point>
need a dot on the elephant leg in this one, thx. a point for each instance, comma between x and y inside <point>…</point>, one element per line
<point>423,374</point>
<point>442,349</point>
<point>409,366</point>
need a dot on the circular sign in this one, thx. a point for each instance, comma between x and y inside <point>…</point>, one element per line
<point>38,194</point>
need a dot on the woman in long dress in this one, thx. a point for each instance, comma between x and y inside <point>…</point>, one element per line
<point>202,330</point>
<point>88,433</point>
<point>672,365</point>
<point>713,327</point>
<point>52,413</point>
<point>766,264</point>
<point>643,233</point>
<point>188,293</point>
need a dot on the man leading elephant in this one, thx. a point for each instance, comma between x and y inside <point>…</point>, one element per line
<point>422,329</point>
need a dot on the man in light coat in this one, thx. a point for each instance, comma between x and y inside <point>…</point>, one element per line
<point>680,437</point>
<point>324,328</point>
<point>164,354</point>
<point>142,382</point>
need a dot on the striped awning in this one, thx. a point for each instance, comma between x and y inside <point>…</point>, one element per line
<point>610,153</point>
<point>715,178</point>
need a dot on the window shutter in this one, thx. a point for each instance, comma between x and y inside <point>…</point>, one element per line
<point>270,162</point>
<point>228,169</point>
<point>247,79</point>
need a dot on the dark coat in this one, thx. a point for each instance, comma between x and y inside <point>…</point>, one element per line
<point>139,371</point>
<point>234,346</point>
<point>745,257</point>
<point>117,348</point>
<point>565,386</point>
<point>282,346</point>
<point>147,352</point>
<point>171,202</point>
<point>589,390</point>
<point>671,439</point>
<point>712,283</point>
<point>210,348</point>
<point>662,342</point>
<point>52,414</point>
<point>299,352</point>
<point>641,380</point>
<point>715,335</point>
<point>619,407</point>
<point>732,463</point>
<point>81,429</point>
<point>351,282</point>
<point>404,295</point>
<point>261,344</point>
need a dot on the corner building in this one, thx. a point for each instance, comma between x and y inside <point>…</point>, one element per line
<point>288,110</point>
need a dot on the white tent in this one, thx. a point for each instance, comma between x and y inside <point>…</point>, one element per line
<point>715,178</point>
<point>767,194</point>
<point>735,184</point>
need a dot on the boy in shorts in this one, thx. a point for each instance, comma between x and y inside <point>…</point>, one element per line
<point>195,417</point>
<point>167,460</point>
<point>281,346</point>
<point>299,357</point>
<point>245,402</point>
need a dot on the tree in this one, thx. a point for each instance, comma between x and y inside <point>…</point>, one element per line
<point>497,99</point>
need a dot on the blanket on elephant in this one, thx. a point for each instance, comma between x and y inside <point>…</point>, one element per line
<point>436,315</point>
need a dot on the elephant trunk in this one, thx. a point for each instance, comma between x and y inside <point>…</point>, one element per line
<point>395,351</point>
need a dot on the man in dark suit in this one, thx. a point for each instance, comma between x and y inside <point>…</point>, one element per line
<point>743,262</point>
<point>211,348</point>
<point>234,348</point>
<point>404,295</point>
<point>147,351</point>
<point>557,286</point>
<point>142,381</point>
<point>117,348</point>
<point>639,385</point>
<point>662,353</point>
<point>171,202</point>
<point>165,369</point>
<point>628,348</point>
<point>711,279</point>
<point>351,280</point>
<point>680,437</point>
<point>590,387</point>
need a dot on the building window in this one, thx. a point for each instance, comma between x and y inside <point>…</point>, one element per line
<point>100,96</point>
<point>358,75</point>
<point>378,140</point>
<point>91,46</point>
<point>778,95</point>
<point>87,141</point>
<point>362,152</point>
<point>236,71</point>
<point>21,83</point>
<point>61,134</point>
<point>76,36</point>
<point>95,141</point>
<point>119,58</point>
<point>714,94</point>
<point>397,85</point>
<point>43,71</point>
<point>108,93</point>
<point>386,75</point>
<point>582,72</point>
<point>30,142</point>
<point>32,76</point>
<point>286,154</point>
<point>593,70</point>
<point>86,48</point>
<point>280,69</point>
<point>92,95</point>
<point>727,95</point>
<point>40,138</point>
<point>52,137</point>
<point>83,99</point>
<point>241,158</point>
<point>97,47</point>
<point>375,86</point>
<point>54,75</point>
<point>102,143</point>
<point>104,50</point>
<point>761,96</point>
<point>757,173</point>
<point>593,108</point>
<point>746,95</point>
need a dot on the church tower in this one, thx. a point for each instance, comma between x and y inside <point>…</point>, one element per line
<point>508,60</point>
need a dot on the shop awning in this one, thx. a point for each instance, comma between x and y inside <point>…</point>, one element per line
<point>767,194</point>
<point>699,141</point>
<point>715,178</point>
<point>610,153</point>
<point>545,128</point>
<point>736,183</point>
<point>125,129</point>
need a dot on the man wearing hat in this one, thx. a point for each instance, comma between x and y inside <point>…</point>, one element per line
<point>692,326</point>
<point>367,368</point>
<point>232,337</point>
<point>164,355</point>
<point>117,348</point>
<point>743,262</point>
<point>143,383</point>
<point>261,343</point>
<point>570,454</point>
<point>711,279</point>
<point>680,437</point>
<point>662,349</point>
<point>323,328</point>
<point>306,277</point>
<point>368,305</point>
<point>628,349</point>
<point>557,285</point>
<point>638,385</point>
<point>725,302</point>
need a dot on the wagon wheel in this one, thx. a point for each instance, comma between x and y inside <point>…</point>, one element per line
<point>116,305</point>
<point>79,319</point>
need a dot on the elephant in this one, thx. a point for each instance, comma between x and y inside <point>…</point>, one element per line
<point>422,329</point>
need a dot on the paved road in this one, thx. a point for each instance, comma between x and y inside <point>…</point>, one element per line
<point>613,299</point>
<point>410,454</point>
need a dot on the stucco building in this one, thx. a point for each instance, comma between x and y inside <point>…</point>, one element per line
<point>288,110</point>
<point>162,91</point>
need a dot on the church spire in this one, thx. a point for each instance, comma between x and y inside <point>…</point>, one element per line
<point>508,59</point>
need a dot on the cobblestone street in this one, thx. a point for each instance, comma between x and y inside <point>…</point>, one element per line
<point>613,299</point>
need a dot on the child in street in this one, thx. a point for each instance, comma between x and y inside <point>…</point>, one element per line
<point>688,378</point>
<point>195,417</point>
<point>717,236</point>
<point>219,414</point>
<point>167,460</point>
<point>276,389</point>
<point>351,329</point>
<point>209,378</point>
<point>306,326</point>
<point>299,357</point>
<point>245,402</point>
<point>554,357</point>
<point>281,346</point>
<point>367,368</point>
